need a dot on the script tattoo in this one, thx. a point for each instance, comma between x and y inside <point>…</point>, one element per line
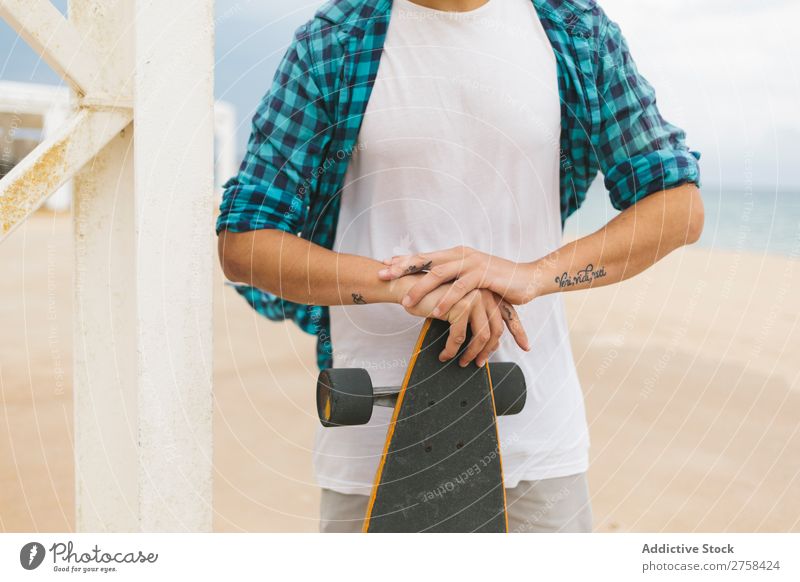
<point>358,299</point>
<point>586,275</point>
<point>415,269</point>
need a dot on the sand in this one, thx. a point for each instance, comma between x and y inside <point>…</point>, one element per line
<point>691,374</point>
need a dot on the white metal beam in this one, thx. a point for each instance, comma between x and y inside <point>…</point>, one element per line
<point>174,160</point>
<point>105,324</point>
<point>104,345</point>
<point>43,27</point>
<point>55,161</point>
<point>143,249</point>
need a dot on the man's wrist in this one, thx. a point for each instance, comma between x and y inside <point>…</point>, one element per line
<point>399,288</point>
<point>533,276</point>
<point>516,282</point>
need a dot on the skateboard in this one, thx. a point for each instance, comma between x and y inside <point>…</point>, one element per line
<point>441,468</point>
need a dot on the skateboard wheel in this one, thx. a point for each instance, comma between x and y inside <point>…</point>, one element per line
<point>508,385</point>
<point>344,397</point>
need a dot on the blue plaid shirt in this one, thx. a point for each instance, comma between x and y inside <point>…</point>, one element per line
<point>307,126</point>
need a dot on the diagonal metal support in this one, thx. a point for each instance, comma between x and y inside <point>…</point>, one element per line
<point>43,27</point>
<point>55,161</point>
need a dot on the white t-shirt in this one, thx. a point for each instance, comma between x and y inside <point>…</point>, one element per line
<point>459,146</point>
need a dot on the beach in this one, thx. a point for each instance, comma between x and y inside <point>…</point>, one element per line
<point>691,373</point>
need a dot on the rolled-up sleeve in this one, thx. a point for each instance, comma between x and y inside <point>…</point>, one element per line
<point>639,151</point>
<point>290,135</point>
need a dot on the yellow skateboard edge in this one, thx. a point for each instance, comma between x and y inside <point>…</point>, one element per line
<point>417,349</point>
<point>499,454</point>
<point>393,422</point>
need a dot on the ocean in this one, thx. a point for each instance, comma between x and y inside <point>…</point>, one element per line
<point>739,220</point>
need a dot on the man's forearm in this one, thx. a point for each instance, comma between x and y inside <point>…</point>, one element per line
<point>300,271</point>
<point>626,246</point>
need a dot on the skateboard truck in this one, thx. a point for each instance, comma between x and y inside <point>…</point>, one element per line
<point>345,396</point>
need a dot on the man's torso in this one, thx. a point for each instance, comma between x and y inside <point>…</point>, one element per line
<point>459,146</point>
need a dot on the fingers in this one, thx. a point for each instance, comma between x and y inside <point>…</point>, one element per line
<point>434,279</point>
<point>481,334</point>
<point>459,289</point>
<point>487,316</point>
<point>397,267</point>
<point>459,320</point>
<point>400,266</point>
<point>496,328</point>
<point>514,325</point>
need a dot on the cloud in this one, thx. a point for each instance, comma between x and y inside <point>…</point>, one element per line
<point>727,73</point>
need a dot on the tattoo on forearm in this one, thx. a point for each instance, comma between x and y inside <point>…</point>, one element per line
<point>358,299</point>
<point>586,275</point>
<point>417,269</point>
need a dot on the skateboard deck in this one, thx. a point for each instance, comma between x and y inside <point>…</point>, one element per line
<point>441,469</point>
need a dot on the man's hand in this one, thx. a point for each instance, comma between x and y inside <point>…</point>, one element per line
<point>301,271</point>
<point>467,269</point>
<point>486,315</point>
<point>633,241</point>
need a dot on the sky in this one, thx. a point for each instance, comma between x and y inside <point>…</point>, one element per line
<point>728,72</point>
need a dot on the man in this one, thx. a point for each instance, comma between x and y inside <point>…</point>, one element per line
<point>427,153</point>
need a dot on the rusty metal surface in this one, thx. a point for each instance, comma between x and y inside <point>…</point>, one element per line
<point>55,161</point>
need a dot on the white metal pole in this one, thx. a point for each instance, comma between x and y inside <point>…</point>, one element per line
<point>174,161</point>
<point>105,338</point>
<point>105,391</point>
<point>143,250</point>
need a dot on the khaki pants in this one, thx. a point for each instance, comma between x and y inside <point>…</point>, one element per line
<point>549,505</point>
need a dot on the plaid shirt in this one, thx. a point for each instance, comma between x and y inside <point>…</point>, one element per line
<point>307,126</point>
